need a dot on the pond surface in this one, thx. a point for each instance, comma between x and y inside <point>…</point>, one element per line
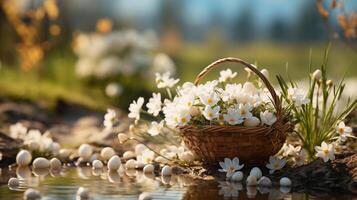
<point>132,184</point>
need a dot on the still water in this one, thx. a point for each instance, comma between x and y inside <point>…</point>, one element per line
<point>132,184</point>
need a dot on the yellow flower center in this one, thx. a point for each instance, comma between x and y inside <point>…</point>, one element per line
<point>209,101</point>
<point>242,112</point>
<point>183,120</point>
<point>221,117</point>
<point>325,151</point>
<point>341,130</point>
<point>231,169</point>
<point>276,165</point>
<point>210,114</point>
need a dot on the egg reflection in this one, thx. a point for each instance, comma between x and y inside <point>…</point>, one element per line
<point>113,177</point>
<point>41,172</point>
<point>251,191</point>
<point>23,172</point>
<point>84,172</point>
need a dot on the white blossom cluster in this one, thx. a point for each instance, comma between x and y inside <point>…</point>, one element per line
<point>214,102</point>
<point>120,52</point>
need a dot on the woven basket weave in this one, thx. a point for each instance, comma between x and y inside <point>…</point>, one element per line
<point>252,145</point>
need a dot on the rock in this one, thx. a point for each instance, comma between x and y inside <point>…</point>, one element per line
<point>251,181</point>
<point>237,176</point>
<point>166,171</point>
<point>55,163</point>
<point>128,155</point>
<point>85,151</point>
<point>148,169</point>
<point>97,164</point>
<point>107,153</point>
<point>32,194</point>
<point>285,182</point>
<point>41,163</point>
<point>256,172</point>
<point>13,182</point>
<point>130,164</point>
<point>114,163</point>
<point>264,181</point>
<point>23,158</point>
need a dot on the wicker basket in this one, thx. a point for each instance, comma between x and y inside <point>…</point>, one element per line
<point>252,145</point>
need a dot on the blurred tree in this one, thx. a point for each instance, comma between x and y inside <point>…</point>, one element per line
<point>244,27</point>
<point>310,26</point>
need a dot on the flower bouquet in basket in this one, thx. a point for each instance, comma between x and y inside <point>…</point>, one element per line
<point>220,119</point>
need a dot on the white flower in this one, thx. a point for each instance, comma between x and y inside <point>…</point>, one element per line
<point>267,118</point>
<point>244,110</point>
<point>344,131</point>
<point>110,118</point>
<point>183,117</point>
<point>233,117</point>
<point>226,74</point>
<point>18,131</point>
<point>164,80</point>
<point>155,128</point>
<point>154,104</point>
<point>325,151</point>
<point>209,99</point>
<point>298,96</point>
<point>211,113</point>
<point>113,90</point>
<point>231,92</point>
<point>300,158</point>
<point>135,108</point>
<point>275,163</point>
<point>230,166</point>
<point>290,150</point>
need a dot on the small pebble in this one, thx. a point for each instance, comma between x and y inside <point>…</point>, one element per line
<point>130,164</point>
<point>286,182</point>
<point>107,153</point>
<point>148,169</point>
<point>256,172</point>
<point>166,171</point>
<point>265,182</point>
<point>55,163</point>
<point>41,163</point>
<point>23,158</point>
<point>97,164</point>
<point>237,176</point>
<point>114,163</point>
<point>32,194</point>
<point>251,181</point>
<point>85,151</point>
<point>129,154</point>
<point>64,154</point>
<point>13,182</point>
<point>83,193</point>
<point>139,149</point>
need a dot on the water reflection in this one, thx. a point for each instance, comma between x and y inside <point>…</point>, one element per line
<point>132,184</point>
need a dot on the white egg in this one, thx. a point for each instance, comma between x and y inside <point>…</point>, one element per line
<point>161,159</point>
<point>166,171</point>
<point>251,122</point>
<point>32,194</point>
<point>187,156</point>
<point>97,164</point>
<point>85,151</point>
<point>129,154</point>
<point>13,182</point>
<point>140,164</point>
<point>23,158</point>
<point>55,163</point>
<point>265,182</point>
<point>41,163</point>
<point>107,153</point>
<point>255,171</point>
<point>114,163</point>
<point>251,180</point>
<point>82,193</point>
<point>63,154</point>
<point>145,196</point>
<point>130,164</point>
<point>286,182</point>
<point>149,168</point>
<point>139,149</point>
<point>55,148</point>
<point>237,176</point>
<point>33,145</point>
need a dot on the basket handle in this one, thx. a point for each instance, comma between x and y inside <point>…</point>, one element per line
<point>276,101</point>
